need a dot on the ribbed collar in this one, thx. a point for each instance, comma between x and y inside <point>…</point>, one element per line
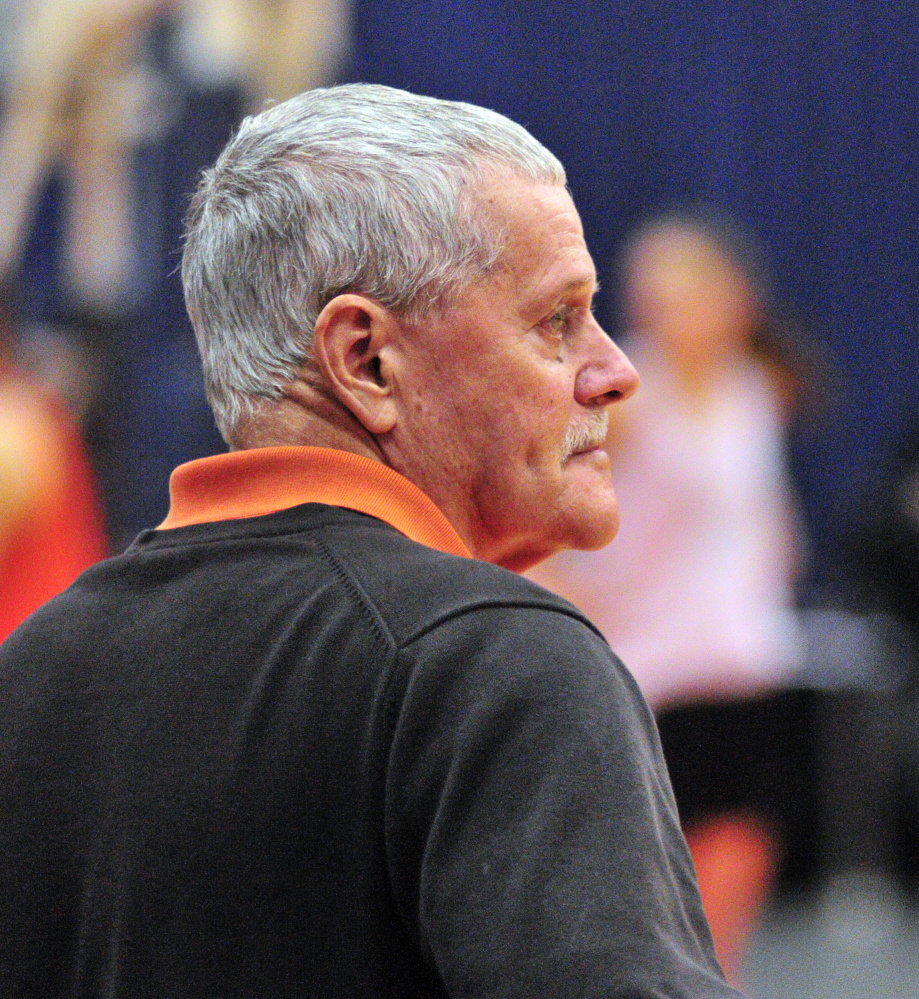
<point>264,480</point>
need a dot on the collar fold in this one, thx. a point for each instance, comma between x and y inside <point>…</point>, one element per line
<point>252,483</point>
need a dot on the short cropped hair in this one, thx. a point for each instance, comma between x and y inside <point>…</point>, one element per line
<point>358,188</point>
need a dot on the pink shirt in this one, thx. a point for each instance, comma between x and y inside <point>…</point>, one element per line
<point>695,593</point>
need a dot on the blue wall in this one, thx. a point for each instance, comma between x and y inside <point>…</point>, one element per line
<point>801,118</point>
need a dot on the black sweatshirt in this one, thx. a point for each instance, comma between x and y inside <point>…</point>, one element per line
<point>301,755</point>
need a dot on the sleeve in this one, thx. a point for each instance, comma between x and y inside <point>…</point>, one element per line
<point>532,835</point>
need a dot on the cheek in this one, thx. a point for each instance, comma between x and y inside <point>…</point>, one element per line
<point>528,440</point>
<point>508,427</point>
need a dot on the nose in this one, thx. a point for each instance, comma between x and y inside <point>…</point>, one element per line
<point>607,375</point>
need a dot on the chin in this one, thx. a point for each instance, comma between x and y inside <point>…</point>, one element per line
<point>588,510</point>
<point>593,522</point>
<point>597,534</point>
<point>587,533</point>
<point>585,516</point>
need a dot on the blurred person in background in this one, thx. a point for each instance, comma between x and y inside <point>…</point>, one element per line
<point>109,110</point>
<point>50,520</point>
<point>71,94</point>
<point>77,89</point>
<point>696,593</point>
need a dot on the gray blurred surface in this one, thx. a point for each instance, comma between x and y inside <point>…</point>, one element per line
<point>856,939</point>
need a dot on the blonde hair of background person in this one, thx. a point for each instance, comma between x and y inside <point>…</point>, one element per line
<point>75,92</point>
<point>278,48</point>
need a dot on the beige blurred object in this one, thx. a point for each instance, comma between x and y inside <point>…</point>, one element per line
<point>74,92</point>
<point>29,450</point>
<point>78,91</point>
<point>277,47</point>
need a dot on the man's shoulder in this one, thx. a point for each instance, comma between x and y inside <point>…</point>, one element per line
<point>415,587</point>
<point>409,587</point>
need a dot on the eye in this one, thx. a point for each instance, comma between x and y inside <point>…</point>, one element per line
<point>558,322</point>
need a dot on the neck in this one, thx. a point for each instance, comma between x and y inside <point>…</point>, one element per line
<point>306,416</point>
<point>309,415</point>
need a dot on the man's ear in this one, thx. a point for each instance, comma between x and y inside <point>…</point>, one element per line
<point>352,343</point>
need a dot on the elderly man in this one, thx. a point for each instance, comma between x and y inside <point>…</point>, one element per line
<point>310,737</point>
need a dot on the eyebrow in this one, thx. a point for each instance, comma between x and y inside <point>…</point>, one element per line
<point>580,282</point>
<point>585,279</point>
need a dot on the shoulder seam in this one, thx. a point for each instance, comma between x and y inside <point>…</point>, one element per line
<point>497,603</point>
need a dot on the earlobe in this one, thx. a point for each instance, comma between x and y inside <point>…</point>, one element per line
<point>351,344</point>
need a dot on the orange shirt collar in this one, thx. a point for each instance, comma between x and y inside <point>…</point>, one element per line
<point>264,480</point>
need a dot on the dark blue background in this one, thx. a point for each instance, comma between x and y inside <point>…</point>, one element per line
<point>798,117</point>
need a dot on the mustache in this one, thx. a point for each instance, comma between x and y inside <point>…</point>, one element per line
<point>587,433</point>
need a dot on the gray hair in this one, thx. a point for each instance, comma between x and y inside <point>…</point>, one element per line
<point>358,188</point>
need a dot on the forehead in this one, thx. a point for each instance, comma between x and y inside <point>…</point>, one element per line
<point>544,238</point>
<point>678,251</point>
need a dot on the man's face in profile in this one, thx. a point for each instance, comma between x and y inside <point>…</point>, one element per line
<point>508,392</point>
